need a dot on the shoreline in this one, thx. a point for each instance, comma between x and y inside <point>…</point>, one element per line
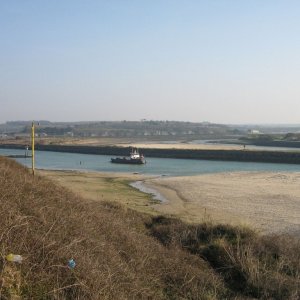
<point>142,187</point>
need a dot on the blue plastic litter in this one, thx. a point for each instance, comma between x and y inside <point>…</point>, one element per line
<point>71,263</point>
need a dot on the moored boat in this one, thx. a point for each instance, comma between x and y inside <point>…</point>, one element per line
<point>135,158</point>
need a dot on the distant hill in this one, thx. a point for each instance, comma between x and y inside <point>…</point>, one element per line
<point>146,129</point>
<point>168,130</point>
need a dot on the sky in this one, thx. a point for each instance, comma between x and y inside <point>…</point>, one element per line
<point>222,61</point>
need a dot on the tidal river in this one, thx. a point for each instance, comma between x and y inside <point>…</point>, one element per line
<point>154,166</point>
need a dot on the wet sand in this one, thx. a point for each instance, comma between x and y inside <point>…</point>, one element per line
<point>268,202</point>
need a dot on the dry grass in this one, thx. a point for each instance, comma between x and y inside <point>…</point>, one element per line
<point>251,265</point>
<point>115,257</point>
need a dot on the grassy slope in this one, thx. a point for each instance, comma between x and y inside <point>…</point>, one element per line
<point>122,254</point>
<point>115,257</point>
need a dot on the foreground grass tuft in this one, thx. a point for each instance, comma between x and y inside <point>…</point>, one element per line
<point>250,265</point>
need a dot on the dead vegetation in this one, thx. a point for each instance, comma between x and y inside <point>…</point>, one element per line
<point>116,259</point>
<point>259,267</point>
<point>122,254</point>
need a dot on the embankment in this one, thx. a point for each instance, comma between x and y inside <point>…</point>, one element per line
<point>270,143</point>
<point>223,155</point>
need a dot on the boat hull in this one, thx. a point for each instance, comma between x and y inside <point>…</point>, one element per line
<point>128,161</point>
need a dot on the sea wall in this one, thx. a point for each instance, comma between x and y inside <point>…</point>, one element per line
<point>224,155</point>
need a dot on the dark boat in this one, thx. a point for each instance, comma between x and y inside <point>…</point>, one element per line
<point>134,159</point>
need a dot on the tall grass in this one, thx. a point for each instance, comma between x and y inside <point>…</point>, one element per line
<point>264,267</point>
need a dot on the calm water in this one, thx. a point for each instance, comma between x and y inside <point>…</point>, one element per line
<point>156,166</point>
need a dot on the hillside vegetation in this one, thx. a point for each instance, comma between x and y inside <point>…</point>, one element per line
<point>122,254</point>
<point>165,130</point>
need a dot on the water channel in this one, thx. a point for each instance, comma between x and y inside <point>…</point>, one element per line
<point>154,166</point>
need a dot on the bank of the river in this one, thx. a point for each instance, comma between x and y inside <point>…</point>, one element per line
<point>262,143</point>
<point>266,201</point>
<point>221,155</point>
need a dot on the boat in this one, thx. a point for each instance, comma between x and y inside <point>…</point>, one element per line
<point>135,158</point>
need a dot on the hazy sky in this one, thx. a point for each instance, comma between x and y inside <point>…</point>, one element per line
<point>221,61</point>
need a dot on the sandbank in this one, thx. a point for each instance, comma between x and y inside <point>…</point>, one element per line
<point>184,146</point>
<point>266,201</point>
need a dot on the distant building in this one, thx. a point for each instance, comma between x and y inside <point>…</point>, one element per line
<point>254,131</point>
<point>70,133</point>
<point>22,135</point>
